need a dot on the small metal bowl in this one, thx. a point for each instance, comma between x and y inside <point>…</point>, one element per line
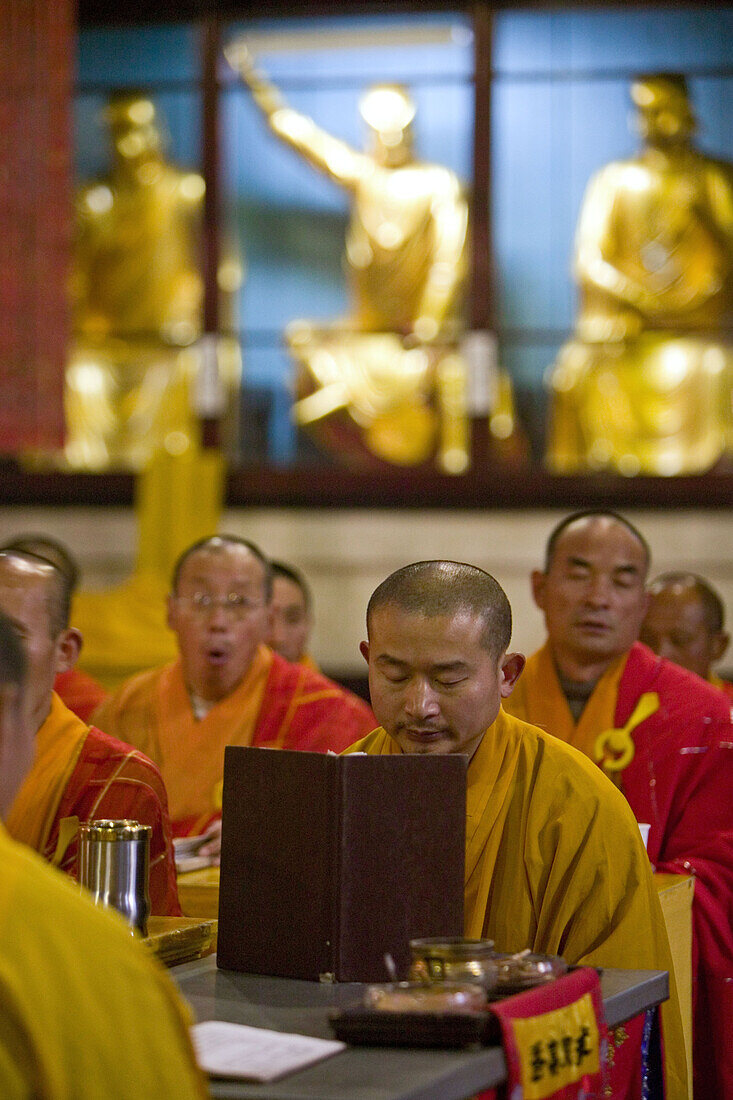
<point>454,959</point>
<point>524,971</point>
<point>425,997</point>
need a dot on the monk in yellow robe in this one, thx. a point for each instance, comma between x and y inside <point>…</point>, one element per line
<point>554,858</point>
<point>661,733</point>
<point>78,773</point>
<point>77,994</point>
<point>227,687</point>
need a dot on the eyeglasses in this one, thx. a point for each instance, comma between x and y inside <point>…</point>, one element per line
<point>239,606</point>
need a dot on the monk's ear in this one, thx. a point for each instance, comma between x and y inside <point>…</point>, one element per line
<point>538,580</point>
<point>510,669</point>
<point>68,648</point>
<point>720,644</point>
<point>364,650</point>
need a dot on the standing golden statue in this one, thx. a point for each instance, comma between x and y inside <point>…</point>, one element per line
<point>136,295</point>
<point>645,385</point>
<point>393,364</point>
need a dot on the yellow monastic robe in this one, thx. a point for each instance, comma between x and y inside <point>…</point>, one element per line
<point>84,1009</point>
<point>58,745</point>
<point>555,862</point>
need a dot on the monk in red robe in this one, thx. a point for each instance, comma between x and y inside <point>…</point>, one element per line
<point>685,623</point>
<point>77,773</point>
<point>661,733</point>
<point>80,692</point>
<point>227,687</point>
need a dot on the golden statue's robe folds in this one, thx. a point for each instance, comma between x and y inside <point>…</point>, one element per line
<point>555,862</point>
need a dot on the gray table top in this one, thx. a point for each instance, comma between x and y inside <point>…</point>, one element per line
<point>368,1073</point>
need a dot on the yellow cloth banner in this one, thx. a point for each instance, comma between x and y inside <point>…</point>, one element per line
<point>557,1048</point>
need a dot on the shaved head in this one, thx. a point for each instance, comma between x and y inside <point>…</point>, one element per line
<point>217,544</point>
<point>58,586</point>
<point>584,517</point>
<point>710,601</point>
<point>446,588</point>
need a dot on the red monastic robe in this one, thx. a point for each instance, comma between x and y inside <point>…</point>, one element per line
<point>80,773</point>
<point>81,693</point>
<point>680,780</point>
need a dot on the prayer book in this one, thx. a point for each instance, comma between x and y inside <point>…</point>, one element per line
<point>256,1053</point>
<point>329,863</point>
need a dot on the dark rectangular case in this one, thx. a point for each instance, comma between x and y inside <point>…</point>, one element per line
<point>328,862</point>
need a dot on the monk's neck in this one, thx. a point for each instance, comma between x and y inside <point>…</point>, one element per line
<point>574,669</point>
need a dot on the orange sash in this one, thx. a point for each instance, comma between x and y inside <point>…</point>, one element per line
<point>59,743</point>
<point>539,699</point>
<point>191,750</point>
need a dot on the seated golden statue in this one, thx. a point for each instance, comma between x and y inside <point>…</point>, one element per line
<point>136,293</point>
<point>644,387</point>
<point>386,382</point>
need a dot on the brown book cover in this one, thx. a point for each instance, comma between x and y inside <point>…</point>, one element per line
<point>328,862</point>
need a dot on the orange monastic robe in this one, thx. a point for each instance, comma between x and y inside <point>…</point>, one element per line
<point>80,774</point>
<point>277,705</point>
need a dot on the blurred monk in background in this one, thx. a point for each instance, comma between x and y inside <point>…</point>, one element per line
<point>226,687</point>
<point>684,623</point>
<point>662,734</point>
<point>78,773</point>
<point>292,614</point>
<point>79,691</point>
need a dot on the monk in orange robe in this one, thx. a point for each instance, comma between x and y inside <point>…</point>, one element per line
<point>81,693</point>
<point>685,623</point>
<point>554,859</point>
<point>77,774</point>
<point>661,733</point>
<point>227,687</point>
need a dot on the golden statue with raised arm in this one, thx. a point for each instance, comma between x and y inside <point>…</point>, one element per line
<point>393,364</point>
<point>136,296</point>
<point>645,385</point>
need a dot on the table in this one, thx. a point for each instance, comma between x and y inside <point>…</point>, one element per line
<point>368,1073</point>
<point>676,893</point>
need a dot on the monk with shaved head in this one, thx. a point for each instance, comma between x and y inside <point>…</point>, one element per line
<point>227,686</point>
<point>554,858</point>
<point>659,732</point>
<point>685,623</point>
<point>78,773</point>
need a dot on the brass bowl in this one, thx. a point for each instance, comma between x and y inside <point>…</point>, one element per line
<point>455,959</point>
<point>425,997</point>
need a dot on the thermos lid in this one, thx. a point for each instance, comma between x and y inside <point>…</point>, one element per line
<point>105,829</point>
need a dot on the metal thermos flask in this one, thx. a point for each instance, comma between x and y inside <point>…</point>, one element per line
<point>114,864</point>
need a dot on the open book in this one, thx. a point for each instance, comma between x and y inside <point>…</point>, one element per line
<point>255,1053</point>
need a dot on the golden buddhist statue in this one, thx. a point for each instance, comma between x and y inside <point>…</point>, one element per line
<point>386,382</point>
<point>136,294</point>
<point>644,387</point>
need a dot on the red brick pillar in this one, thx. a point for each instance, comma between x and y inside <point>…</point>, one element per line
<point>37,41</point>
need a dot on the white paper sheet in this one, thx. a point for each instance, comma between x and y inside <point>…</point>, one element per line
<point>255,1053</point>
